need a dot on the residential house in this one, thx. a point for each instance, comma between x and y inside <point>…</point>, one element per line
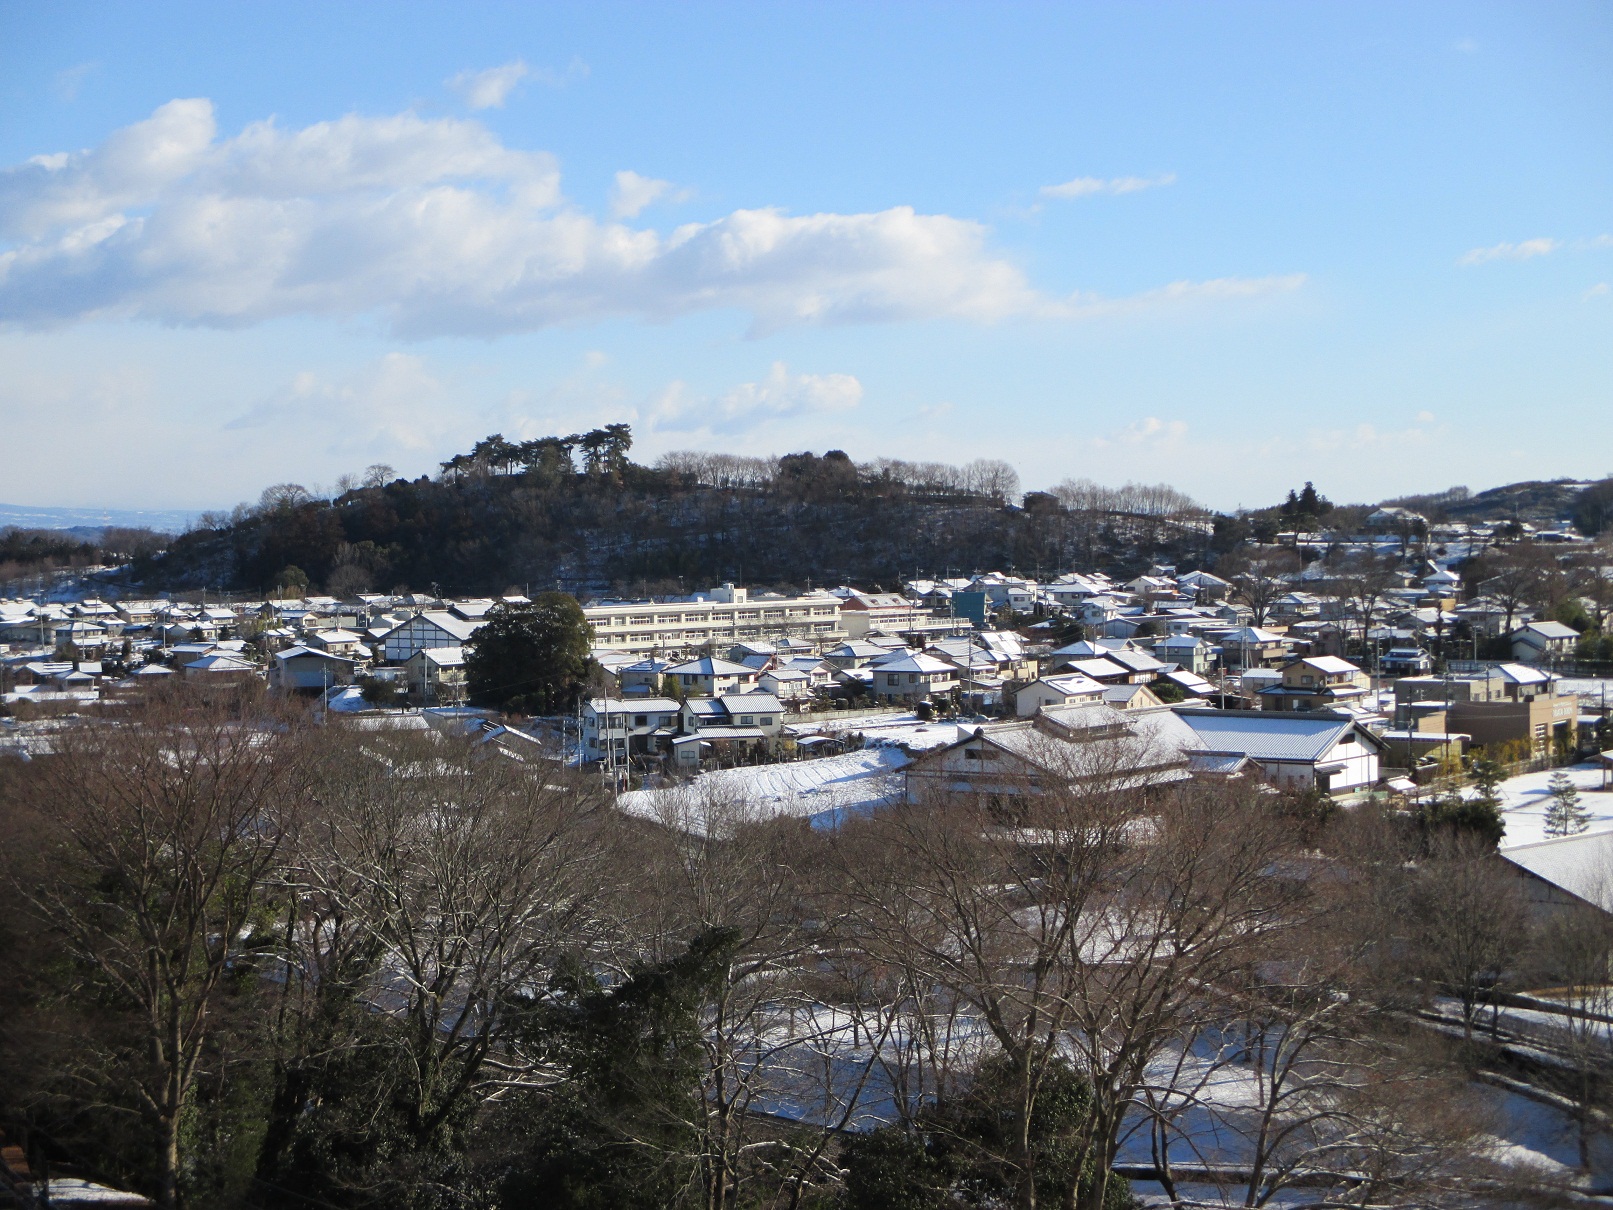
<point>630,726</point>
<point>1186,651</point>
<point>1541,642</point>
<point>436,676</point>
<point>1063,689</point>
<point>429,628</point>
<point>1202,586</point>
<point>1292,751</point>
<point>1318,682</point>
<point>309,669</point>
<point>1017,760</point>
<point>340,641</point>
<point>855,653</point>
<point>787,684</point>
<point>913,677</point>
<point>643,676</point>
<point>711,677</point>
<point>1405,661</point>
<point>1251,647</point>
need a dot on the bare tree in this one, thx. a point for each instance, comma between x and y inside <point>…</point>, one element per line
<point>1470,922</point>
<point>1071,913</point>
<point>715,869</point>
<point>1260,577</point>
<point>168,830</point>
<point>1577,952</point>
<point>456,881</point>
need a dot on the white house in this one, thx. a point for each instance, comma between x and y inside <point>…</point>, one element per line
<point>1535,642</point>
<point>914,677</point>
<point>1063,690</point>
<point>309,668</point>
<point>629,725</point>
<point>1293,751</point>
<point>430,628</point>
<point>710,677</point>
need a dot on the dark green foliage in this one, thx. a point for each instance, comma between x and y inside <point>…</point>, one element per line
<point>575,510</point>
<point>1593,508</point>
<point>530,657</point>
<point>895,1168</point>
<point>618,1132</point>
<point>965,1151</point>
<point>1477,816</point>
<point>381,692</point>
<point>42,547</point>
<point>1168,692</point>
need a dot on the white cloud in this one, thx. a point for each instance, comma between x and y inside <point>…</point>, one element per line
<point>1149,431</point>
<point>1087,186</point>
<point>781,394</point>
<point>1181,293</point>
<point>67,82</point>
<point>631,193</point>
<point>1504,251</point>
<point>490,88</point>
<point>393,407</point>
<point>1597,291</point>
<point>437,228</point>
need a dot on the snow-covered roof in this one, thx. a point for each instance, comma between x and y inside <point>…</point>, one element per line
<point>708,666</point>
<point>824,791</point>
<point>1550,630</point>
<point>1581,865</point>
<point>1266,735</point>
<point>916,662</point>
<point>1329,663</point>
<point>635,705</point>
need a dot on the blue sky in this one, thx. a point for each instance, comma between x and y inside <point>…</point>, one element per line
<point>1230,246</point>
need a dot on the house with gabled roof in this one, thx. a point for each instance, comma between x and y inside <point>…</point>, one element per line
<point>913,677</point>
<point>1060,689</point>
<point>710,677</point>
<point>1316,682</point>
<point>1002,761</point>
<point>429,628</point>
<point>1292,750</point>
<point>1538,642</point>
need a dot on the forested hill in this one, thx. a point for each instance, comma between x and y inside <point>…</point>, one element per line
<point>578,512</point>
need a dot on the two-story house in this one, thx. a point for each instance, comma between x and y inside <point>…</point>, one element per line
<point>1317,682</point>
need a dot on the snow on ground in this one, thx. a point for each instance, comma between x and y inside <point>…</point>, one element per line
<point>1524,799</point>
<point>823,791</point>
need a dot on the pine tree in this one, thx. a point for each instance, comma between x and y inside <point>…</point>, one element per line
<point>1564,814</point>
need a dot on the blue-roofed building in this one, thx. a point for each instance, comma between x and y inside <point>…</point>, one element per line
<point>1293,750</point>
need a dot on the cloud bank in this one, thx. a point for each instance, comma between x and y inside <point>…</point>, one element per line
<point>1504,251</point>
<point>489,89</point>
<point>437,228</point>
<point>781,394</point>
<point>1088,186</point>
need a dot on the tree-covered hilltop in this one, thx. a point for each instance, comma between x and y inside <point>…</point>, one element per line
<point>577,512</point>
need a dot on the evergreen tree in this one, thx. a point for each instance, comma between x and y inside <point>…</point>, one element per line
<point>1479,815</point>
<point>530,657</point>
<point>1564,814</point>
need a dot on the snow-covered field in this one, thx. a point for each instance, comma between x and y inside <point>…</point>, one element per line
<point>1524,799</point>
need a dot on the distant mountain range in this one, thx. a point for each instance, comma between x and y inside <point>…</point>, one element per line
<point>89,522</point>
